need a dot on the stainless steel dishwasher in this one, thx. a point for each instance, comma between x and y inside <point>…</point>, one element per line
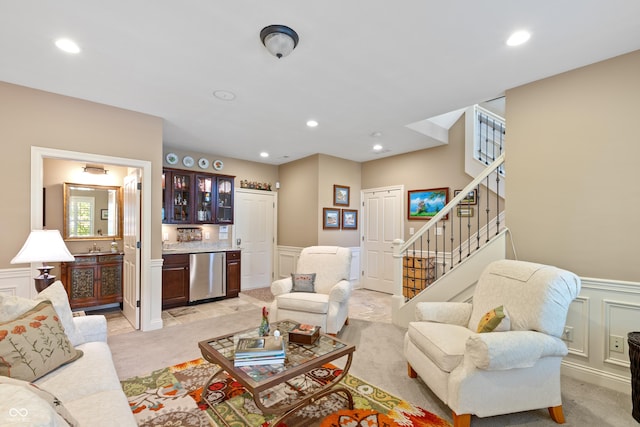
<point>207,276</point>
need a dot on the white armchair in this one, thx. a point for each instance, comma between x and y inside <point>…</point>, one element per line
<point>493,373</point>
<point>328,305</point>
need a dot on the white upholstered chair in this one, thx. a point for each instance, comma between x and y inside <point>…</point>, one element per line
<point>494,373</point>
<point>328,305</point>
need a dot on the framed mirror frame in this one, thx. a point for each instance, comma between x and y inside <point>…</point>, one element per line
<point>100,219</point>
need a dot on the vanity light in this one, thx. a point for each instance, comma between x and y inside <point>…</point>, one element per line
<point>96,170</point>
<point>67,45</point>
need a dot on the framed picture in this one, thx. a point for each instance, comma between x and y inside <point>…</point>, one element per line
<point>464,211</point>
<point>104,214</point>
<point>330,219</point>
<point>470,199</point>
<point>340,195</point>
<point>349,219</point>
<point>425,204</point>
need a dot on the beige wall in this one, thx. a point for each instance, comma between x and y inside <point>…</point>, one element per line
<point>298,203</point>
<point>573,173</point>
<point>336,171</point>
<point>30,117</point>
<point>436,167</point>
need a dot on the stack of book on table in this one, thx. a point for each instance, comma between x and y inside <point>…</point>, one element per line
<point>259,351</point>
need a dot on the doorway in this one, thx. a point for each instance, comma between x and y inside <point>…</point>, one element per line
<point>148,318</point>
<point>255,228</point>
<point>383,223</point>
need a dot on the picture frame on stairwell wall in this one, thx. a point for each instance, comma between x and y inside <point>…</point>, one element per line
<point>330,219</point>
<point>470,199</point>
<point>425,204</point>
<point>464,211</point>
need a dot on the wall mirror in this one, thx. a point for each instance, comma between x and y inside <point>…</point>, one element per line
<point>92,212</point>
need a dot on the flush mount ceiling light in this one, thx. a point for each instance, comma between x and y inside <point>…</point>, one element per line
<point>518,38</point>
<point>280,40</point>
<point>67,45</point>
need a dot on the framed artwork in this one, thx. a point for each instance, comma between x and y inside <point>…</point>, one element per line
<point>349,219</point>
<point>340,195</point>
<point>470,199</point>
<point>425,204</point>
<point>330,219</point>
<point>104,214</point>
<point>464,211</point>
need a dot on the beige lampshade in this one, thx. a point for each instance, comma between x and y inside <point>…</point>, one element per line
<point>43,246</point>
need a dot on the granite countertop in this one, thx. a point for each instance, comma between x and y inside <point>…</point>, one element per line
<point>195,247</point>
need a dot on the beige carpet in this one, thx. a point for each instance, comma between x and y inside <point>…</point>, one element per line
<point>378,359</point>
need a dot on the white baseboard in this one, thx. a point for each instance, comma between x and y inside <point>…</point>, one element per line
<point>596,376</point>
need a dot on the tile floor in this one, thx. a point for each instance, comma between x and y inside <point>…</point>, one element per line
<point>363,304</point>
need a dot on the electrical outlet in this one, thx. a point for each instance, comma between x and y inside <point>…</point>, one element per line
<point>567,335</point>
<point>616,343</point>
<point>207,235</point>
<point>438,231</point>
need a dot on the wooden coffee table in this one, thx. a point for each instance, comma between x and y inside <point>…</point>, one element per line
<point>300,359</point>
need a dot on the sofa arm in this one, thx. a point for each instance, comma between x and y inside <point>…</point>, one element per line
<point>281,286</point>
<point>90,328</point>
<point>341,291</point>
<point>495,351</point>
<point>454,313</point>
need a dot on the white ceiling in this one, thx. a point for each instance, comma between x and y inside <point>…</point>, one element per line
<point>360,67</point>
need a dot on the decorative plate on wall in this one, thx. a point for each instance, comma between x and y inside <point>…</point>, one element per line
<point>203,163</point>
<point>218,165</point>
<point>172,158</point>
<point>188,161</point>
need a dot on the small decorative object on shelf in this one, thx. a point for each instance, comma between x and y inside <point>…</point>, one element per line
<point>255,185</point>
<point>264,325</point>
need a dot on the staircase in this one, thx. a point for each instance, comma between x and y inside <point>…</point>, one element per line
<point>444,259</point>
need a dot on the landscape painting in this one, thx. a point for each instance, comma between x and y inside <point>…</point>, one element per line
<point>425,204</point>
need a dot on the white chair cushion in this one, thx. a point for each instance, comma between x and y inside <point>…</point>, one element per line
<point>304,301</point>
<point>444,344</point>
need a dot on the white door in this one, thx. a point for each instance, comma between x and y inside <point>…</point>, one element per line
<point>383,222</point>
<point>254,223</point>
<point>131,239</point>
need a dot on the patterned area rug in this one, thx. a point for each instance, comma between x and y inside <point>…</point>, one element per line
<point>170,397</point>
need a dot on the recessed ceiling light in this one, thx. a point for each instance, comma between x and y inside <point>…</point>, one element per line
<point>376,134</point>
<point>264,154</point>
<point>224,95</point>
<point>518,38</point>
<point>312,123</point>
<point>377,147</point>
<point>67,45</point>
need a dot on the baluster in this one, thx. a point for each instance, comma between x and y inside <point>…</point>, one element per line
<point>452,243</point>
<point>478,216</point>
<point>497,202</point>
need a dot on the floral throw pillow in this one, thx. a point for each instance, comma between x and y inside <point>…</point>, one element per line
<point>34,344</point>
<point>303,282</point>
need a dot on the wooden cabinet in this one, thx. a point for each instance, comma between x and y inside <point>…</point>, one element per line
<point>417,274</point>
<point>196,198</point>
<point>233,274</point>
<point>93,279</point>
<point>175,280</point>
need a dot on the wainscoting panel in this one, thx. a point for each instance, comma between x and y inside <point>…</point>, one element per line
<point>604,308</point>
<point>18,282</point>
<point>579,315</point>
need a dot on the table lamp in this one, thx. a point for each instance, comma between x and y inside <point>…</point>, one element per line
<point>43,246</point>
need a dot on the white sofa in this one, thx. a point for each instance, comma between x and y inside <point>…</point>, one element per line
<point>88,388</point>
